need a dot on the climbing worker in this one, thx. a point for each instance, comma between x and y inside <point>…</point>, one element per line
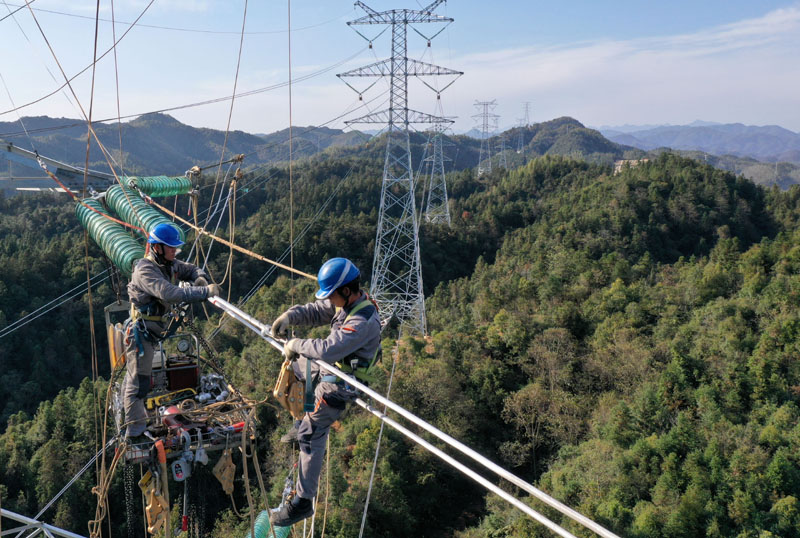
<point>152,290</point>
<point>354,342</point>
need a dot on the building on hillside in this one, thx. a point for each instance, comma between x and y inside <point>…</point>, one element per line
<point>630,162</point>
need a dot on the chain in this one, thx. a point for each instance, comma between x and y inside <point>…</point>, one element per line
<point>212,357</point>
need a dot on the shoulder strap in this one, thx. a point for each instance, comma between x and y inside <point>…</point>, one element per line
<point>363,304</point>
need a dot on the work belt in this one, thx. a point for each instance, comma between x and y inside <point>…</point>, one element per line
<point>140,315</point>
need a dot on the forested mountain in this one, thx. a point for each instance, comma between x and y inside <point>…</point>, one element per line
<point>769,143</point>
<point>158,144</point>
<point>628,342</point>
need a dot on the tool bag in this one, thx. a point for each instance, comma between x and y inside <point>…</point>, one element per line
<point>289,391</point>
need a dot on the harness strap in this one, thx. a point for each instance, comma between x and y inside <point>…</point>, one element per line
<point>308,401</point>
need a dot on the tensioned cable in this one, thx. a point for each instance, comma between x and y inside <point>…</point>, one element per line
<point>92,340</point>
<point>11,13</point>
<point>233,100</point>
<point>85,68</point>
<point>5,332</point>
<point>177,29</point>
<point>116,86</point>
<point>377,449</point>
<point>291,183</point>
<point>285,253</point>
<point>11,328</point>
<point>264,332</point>
<point>74,479</point>
<point>190,105</point>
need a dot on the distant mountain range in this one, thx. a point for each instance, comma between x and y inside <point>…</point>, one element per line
<point>158,144</point>
<point>769,144</point>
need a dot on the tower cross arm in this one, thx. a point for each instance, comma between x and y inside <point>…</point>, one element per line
<point>409,16</point>
<point>415,68</point>
<point>414,116</point>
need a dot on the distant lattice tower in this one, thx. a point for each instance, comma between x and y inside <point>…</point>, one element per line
<point>437,210</point>
<point>502,160</point>
<point>488,124</point>
<point>396,270</point>
<point>524,123</point>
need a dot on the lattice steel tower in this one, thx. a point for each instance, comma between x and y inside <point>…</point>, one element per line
<point>502,160</point>
<point>524,123</point>
<point>396,270</point>
<point>437,210</point>
<point>488,123</point>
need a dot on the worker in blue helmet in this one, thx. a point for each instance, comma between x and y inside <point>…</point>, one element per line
<point>353,343</point>
<point>152,290</point>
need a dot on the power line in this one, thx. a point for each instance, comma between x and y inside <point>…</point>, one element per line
<point>175,28</point>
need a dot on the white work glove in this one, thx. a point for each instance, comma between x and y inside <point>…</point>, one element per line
<point>200,281</point>
<point>280,327</point>
<point>290,351</point>
<point>214,290</point>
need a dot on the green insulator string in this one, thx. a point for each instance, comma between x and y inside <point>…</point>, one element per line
<point>112,238</point>
<point>132,209</point>
<point>157,186</point>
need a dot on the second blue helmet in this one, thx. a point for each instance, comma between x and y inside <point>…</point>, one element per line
<point>334,274</point>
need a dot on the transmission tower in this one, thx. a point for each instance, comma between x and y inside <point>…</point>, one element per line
<point>437,210</point>
<point>524,123</point>
<point>396,271</point>
<point>502,161</point>
<point>488,123</point>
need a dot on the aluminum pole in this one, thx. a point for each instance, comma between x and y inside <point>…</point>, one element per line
<point>265,332</point>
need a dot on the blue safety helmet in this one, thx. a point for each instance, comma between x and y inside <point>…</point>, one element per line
<point>334,274</point>
<point>166,234</point>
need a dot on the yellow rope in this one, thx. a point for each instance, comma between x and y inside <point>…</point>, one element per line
<point>250,253</point>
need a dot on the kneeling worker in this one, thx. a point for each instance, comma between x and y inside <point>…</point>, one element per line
<point>354,341</point>
<point>152,289</point>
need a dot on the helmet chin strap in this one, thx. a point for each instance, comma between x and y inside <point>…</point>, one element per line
<point>159,256</point>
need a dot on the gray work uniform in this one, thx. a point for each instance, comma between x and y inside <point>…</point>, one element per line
<point>151,289</point>
<point>357,338</point>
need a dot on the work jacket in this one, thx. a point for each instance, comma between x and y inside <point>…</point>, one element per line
<point>153,286</point>
<point>355,337</point>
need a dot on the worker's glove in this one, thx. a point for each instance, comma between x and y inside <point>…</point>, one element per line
<point>200,281</point>
<point>280,327</point>
<point>214,290</point>
<point>290,351</point>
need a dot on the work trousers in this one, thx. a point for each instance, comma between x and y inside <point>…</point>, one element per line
<point>137,384</point>
<point>330,401</point>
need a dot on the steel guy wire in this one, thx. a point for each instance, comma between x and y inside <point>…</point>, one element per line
<point>5,332</point>
<point>177,29</point>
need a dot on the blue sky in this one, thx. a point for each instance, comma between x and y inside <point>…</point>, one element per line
<point>603,63</point>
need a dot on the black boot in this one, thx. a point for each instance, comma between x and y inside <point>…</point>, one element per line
<point>290,513</point>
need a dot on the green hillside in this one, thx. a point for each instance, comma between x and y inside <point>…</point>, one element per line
<point>627,342</point>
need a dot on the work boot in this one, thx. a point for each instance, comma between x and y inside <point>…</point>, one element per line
<point>290,513</point>
<point>142,438</point>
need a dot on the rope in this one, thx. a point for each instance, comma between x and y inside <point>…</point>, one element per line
<point>233,99</point>
<point>82,71</point>
<point>228,243</point>
<point>291,184</point>
<point>92,342</point>
<point>395,354</point>
<point>116,85</point>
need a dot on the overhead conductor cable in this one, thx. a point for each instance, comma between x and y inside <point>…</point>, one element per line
<point>265,332</point>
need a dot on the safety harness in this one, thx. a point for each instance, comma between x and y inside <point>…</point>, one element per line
<point>359,367</point>
<point>158,312</point>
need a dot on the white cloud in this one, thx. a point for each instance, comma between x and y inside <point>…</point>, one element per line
<point>737,72</point>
